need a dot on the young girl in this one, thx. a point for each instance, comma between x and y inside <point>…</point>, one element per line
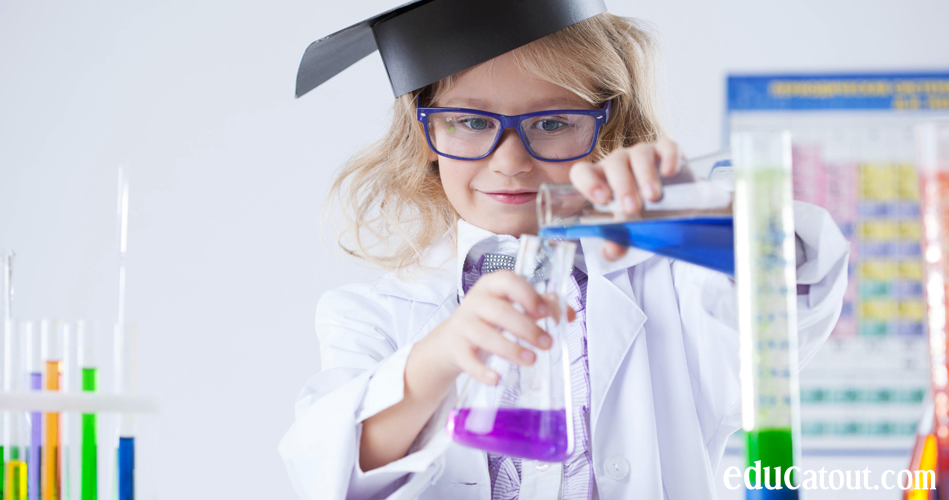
<point>653,343</point>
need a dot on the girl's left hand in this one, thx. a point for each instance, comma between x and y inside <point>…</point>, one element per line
<point>630,175</point>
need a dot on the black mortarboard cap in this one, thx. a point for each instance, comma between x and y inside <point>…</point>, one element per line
<point>424,41</point>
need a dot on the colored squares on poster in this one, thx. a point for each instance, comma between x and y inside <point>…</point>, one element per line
<point>910,270</point>
<point>879,182</point>
<point>878,309</point>
<point>878,230</point>
<point>880,270</point>
<point>908,182</point>
<point>912,309</point>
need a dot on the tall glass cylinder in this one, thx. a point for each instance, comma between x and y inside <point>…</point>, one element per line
<point>126,384</point>
<point>767,307</point>
<point>16,435</point>
<point>932,152</point>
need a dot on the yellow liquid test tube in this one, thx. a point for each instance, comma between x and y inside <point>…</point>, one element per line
<point>15,489</point>
<point>16,435</point>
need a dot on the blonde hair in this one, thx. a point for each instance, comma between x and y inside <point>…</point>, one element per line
<point>391,195</point>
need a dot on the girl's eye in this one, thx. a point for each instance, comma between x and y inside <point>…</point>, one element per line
<point>550,124</point>
<point>475,122</point>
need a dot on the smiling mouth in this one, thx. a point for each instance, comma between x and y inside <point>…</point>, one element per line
<point>512,197</point>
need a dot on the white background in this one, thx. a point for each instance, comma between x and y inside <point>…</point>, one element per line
<point>229,172</point>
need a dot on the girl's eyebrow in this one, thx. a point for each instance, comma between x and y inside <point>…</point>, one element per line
<point>537,105</point>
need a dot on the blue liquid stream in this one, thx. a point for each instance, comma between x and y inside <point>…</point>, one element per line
<point>704,241</point>
<point>126,468</point>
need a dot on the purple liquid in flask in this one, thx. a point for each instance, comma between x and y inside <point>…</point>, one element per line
<point>518,432</point>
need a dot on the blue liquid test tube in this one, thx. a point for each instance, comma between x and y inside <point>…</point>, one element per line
<point>126,384</point>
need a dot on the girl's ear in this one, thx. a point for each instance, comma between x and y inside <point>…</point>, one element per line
<point>432,156</point>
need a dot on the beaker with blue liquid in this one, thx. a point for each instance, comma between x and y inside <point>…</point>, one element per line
<point>692,222</point>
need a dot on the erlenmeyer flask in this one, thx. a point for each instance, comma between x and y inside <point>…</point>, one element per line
<point>528,413</point>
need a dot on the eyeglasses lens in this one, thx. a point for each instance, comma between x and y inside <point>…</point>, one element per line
<point>558,137</point>
<point>464,135</point>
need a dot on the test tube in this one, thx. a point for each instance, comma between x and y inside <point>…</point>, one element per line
<point>69,422</point>
<point>34,366</point>
<point>767,309</point>
<point>932,152</point>
<point>126,384</point>
<point>89,373</point>
<point>16,435</point>
<point>52,352</point>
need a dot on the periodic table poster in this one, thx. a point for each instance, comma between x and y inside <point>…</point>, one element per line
<point>853,154</point>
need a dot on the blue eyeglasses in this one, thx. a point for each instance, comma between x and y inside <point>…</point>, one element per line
<point>470,134</point>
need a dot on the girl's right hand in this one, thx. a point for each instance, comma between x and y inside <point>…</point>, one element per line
<point>488,308</point>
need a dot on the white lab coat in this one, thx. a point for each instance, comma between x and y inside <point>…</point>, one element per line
<point>663,357</point>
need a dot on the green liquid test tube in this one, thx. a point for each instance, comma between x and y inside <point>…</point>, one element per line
<point>89,452</point>
<point>88,467</point>
<point>765,277</point>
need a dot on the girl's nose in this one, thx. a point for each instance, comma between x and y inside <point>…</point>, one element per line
<point>510,157</point>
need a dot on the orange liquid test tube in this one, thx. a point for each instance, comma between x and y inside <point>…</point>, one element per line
<point>51,479</point>
<point>51,463</point>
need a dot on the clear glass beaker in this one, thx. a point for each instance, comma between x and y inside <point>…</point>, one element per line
<point>528,413</point>
<point>693,222</point>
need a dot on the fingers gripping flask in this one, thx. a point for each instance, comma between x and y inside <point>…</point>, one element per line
<point>527,414</point>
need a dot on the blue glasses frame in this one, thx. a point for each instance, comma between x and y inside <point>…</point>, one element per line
<point>507,121</point>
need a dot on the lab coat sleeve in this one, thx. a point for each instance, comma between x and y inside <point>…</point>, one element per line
<point>708,306</point>
<point>363,374</point>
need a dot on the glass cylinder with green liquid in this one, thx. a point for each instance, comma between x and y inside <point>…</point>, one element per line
<point>765,277</point>
<point>88,483</point>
